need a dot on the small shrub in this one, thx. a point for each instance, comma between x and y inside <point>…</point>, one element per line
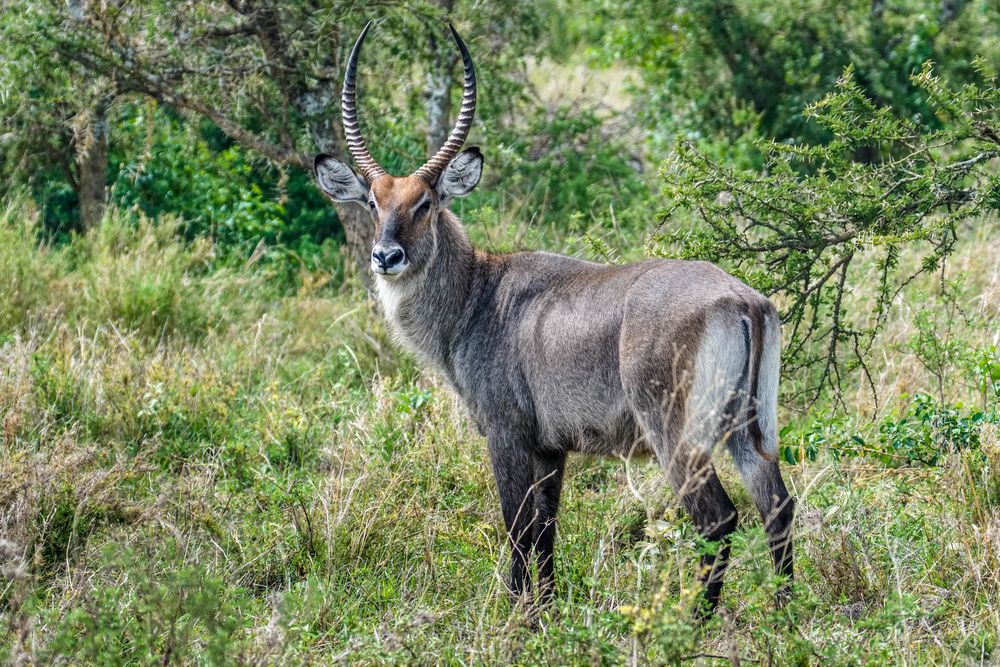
<point>923,431</point>
<point>139,613</point>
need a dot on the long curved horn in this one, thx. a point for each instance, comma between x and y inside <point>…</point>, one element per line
<point>432,170</point>
<point>370,169</point>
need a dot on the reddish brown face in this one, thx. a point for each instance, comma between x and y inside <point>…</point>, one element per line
<point>404,210</point>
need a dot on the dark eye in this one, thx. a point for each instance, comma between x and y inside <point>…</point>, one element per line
<point>421,210</point>
<point>371,204</point>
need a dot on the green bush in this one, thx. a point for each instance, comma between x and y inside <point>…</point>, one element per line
<point>921,431</point>
<point>167,165</point>
<point>716,72</point>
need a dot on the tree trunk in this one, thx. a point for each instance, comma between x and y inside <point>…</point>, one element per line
<point>92,166</point>
<point>359,232</point>
<point>439,83</point>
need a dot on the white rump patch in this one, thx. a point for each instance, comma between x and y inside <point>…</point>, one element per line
<point>719,367</point>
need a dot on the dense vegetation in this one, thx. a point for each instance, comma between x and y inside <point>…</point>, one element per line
<point>213,453</point>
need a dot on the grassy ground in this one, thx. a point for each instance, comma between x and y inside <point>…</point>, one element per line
<point>198,467</point>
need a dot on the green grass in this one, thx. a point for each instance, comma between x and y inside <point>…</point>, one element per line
<point>200,467</point>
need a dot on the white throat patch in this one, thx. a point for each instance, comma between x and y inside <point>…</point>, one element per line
<point>390,295</point>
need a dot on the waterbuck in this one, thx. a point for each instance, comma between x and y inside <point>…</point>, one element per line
<point>553,354</point>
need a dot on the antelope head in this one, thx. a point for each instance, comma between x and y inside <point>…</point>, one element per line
<point>405,209</point>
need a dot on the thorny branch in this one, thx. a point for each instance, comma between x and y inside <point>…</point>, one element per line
<point>798,230</point>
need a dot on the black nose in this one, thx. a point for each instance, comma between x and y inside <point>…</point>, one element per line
<point>386,258</point>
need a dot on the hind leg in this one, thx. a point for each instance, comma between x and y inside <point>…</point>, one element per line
<point>699,490</point>
<point>693,478</point>
<point>688,467</point>
<point>681,432</point>
<point>777,509</point>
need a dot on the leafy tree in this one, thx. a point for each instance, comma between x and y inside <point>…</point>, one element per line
<point>796,229</point>
<point>268,73</point>
<point>53,126</point>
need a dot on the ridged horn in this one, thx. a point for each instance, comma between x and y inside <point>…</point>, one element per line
<point>433,168</point>
<point>370,169</point>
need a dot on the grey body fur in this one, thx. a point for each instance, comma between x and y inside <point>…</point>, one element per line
<point>553,354</point>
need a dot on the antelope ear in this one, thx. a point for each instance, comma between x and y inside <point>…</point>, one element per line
<point>461,175</point>
<point>338,181</point>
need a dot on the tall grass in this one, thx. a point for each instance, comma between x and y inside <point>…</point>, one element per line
<point>200,467</point>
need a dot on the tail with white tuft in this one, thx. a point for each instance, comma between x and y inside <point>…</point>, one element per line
<point>766,360</point>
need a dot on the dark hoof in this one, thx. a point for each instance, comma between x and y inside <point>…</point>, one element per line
<point>783,596</point>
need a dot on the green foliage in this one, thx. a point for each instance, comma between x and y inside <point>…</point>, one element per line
<point>721,71</point>
<point>165,166</point>
<point>797,230</point>
<point>562,174</point>
<point>570,167</point>
<point>925,431</point>
<point>171,167</point>
<point>173,616</point>
<point>266,76</point>
<point>921,431</point>
<point>41,101</point>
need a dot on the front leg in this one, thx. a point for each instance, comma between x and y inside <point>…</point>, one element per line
<point>510,454</point>
<point>548,486</point>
